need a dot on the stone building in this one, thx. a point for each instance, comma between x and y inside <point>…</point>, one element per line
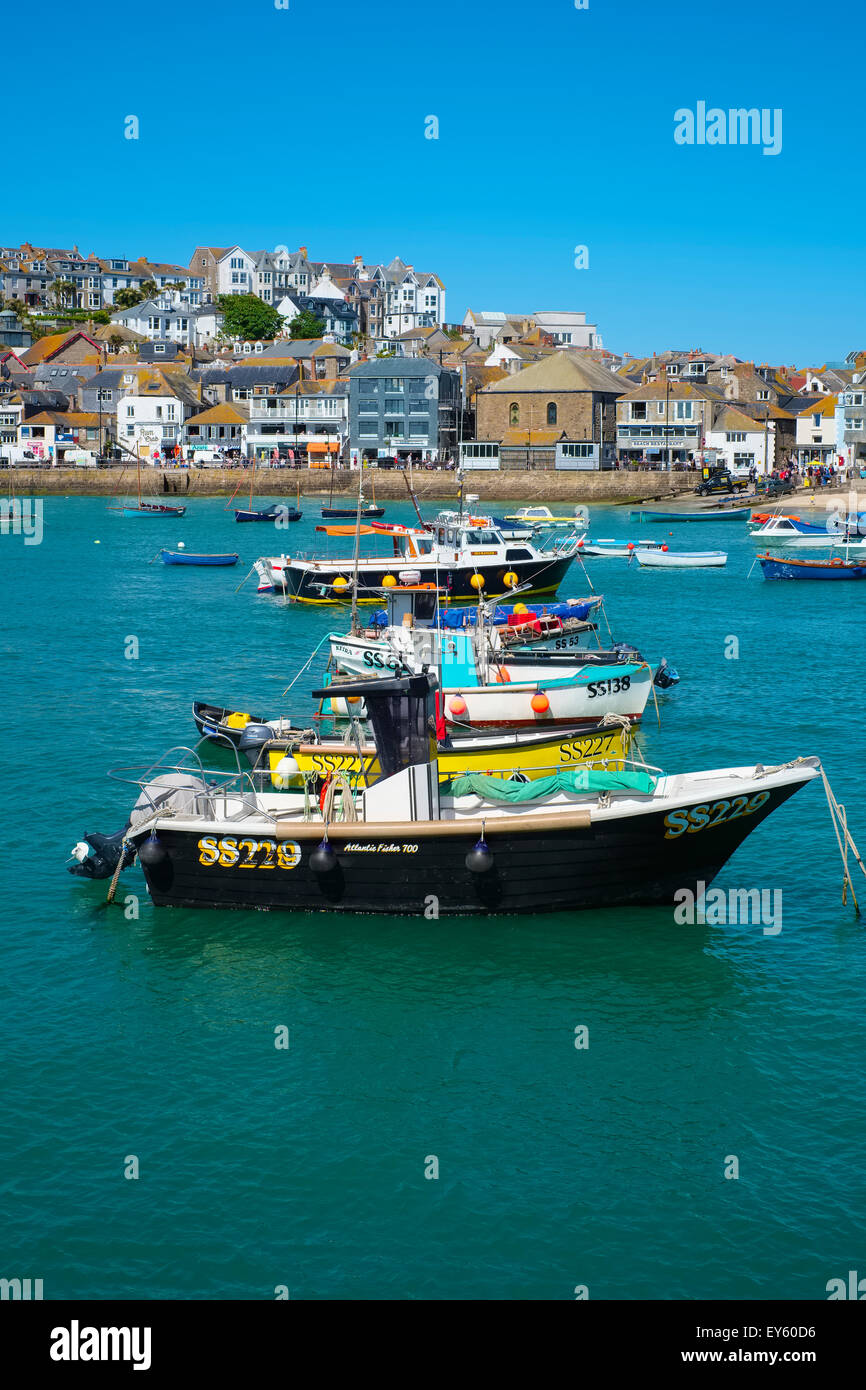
<point>561,399</point>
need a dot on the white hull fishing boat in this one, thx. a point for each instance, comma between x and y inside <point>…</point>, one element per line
<point>485,681</point>
<point>681,559</point>
<point>580,839</point>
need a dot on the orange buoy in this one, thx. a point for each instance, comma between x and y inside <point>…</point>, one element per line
<point>457,706</point>
<point>540,703</point>
<point>664,547</point>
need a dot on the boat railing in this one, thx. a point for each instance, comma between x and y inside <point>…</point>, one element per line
<point>218,785</point>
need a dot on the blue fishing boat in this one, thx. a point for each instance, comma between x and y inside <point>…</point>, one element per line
<point>726,514</point>
<point>187,557</point>
<point>775,567</point>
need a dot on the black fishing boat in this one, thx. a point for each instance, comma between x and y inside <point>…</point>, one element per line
<point>404,844</point>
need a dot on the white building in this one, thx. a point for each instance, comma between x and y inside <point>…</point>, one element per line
<point>163,319</point>
<point>740,441</point>
<point>236,272</point>
<point>567,328</point>
<point>149,424</point>
<point>820,432</point>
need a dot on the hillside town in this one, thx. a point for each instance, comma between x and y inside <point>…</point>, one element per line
<point>275,357</point>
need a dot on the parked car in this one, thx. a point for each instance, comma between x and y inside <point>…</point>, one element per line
<point>776,487</point>
<point>721,481</point>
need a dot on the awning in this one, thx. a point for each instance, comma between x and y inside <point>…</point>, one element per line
<point>324,446</point>
<point>347,530</point>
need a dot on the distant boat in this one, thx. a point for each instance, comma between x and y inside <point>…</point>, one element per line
<point>277,511</point>
<point>349,513</point>
<point>369,513</point>
<point>617,549</point>
<point>729,514</point>
<point>147,508</point>
<point>152,509</point>
<point>541,517</point>
<point>272,513</point>
<point>655,558</point>
<point>775,567</point>
<point>187,557</point>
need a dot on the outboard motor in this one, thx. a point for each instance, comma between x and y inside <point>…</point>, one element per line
<point>253,740</point>
<point>665,676</point>
<point>97,855</point>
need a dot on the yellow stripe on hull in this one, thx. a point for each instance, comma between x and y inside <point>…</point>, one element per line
<point>605,748</point>
<point>506,593</point>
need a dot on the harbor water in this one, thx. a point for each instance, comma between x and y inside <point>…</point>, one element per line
<point>439,1124</point>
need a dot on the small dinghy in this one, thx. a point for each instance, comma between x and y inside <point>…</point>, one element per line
<point>615,549</point>
<point>187,557</point>
<point>662,558</point>
<point>220,724</point>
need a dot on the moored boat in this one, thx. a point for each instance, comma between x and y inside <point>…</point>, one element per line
<point>152,509</point>
<point>189,557</point>
<point>710,514</point>
<point>280,512</point>
<point>479,845</point>
<point>662,558</point>
<point>787,567</point>
<point>462,560</point>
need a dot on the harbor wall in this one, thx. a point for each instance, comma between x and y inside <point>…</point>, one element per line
<point>546,487</point>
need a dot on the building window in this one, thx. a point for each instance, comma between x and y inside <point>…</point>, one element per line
<point>638,410</point>
<point>763,395</point>
<point>684,410</point>
<point>514,414</point>
<point>551,412</point>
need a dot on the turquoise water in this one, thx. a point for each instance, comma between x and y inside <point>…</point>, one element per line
<point>557,1167</point>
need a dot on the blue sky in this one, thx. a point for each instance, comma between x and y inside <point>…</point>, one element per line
<point>306,126</point>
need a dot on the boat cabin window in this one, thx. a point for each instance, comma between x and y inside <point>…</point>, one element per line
<point>424,546</point>
<point>518,554</point>
<point>425,606</point>
<point>480,538</point>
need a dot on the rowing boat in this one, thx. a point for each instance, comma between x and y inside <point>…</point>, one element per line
<point>728,514</point>
<point>187,557</point>
<point>681,559</point>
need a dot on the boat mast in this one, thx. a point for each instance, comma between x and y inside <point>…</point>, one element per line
<point>354,627</point>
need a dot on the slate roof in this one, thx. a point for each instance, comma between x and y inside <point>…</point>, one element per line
<point>560,373</point>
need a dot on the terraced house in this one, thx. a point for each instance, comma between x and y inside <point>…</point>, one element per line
<point>664,422</point>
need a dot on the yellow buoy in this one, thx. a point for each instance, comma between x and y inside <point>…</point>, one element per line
<point>510,580</point>
<point>389,582</point>
<point>520,608</point>
<point>340,583</point>
<point>477,581</point>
